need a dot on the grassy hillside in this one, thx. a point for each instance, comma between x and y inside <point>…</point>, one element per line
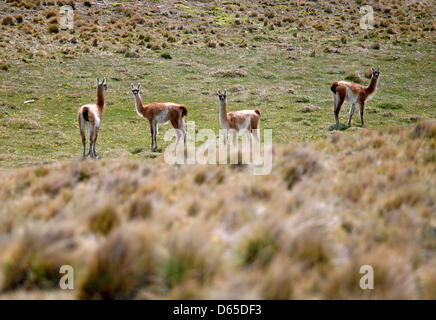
<point>148,230</point>
<point>290,55</point>
<point>134,227</point>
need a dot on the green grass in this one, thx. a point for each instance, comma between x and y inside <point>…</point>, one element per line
<point>46,131</point>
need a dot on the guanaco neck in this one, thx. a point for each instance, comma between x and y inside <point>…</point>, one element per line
<point>100,98</point>
<point>223,111</point>
<point>372,86</point>
<point>138,103</point>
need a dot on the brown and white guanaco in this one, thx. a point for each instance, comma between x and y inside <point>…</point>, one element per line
<point>161,112</point>
<point>237,121</point>
<point>90,115</point>
<point>354,93</point>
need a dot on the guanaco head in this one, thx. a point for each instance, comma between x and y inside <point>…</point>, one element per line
<point>102,85</point>
<point>135,91</point>
<point>222,95</point>
<point>376,72</point>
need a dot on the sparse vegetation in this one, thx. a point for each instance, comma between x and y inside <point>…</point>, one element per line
<point>135,227</point>
<point>243,226</point>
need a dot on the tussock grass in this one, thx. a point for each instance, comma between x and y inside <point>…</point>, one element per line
<point>389,105</point>
<point>17,123</point>
<point>230,73</point>
<point>8,21</point>
<point>133,227</point>
<point>33,259</point>
<point>166,55</point>
<point>303,231</point>
<point>121,265</point>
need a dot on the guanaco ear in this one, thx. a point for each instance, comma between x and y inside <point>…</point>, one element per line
<point>225,92</point>
<point>139,86</point>
<point>104,80</point>
<point>372,69</point>
<point>378,69</point>
<point>131,86</point>
<point>219,92</point>
<point>98,81</point>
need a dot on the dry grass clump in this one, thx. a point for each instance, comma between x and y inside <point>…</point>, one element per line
<point>393,276</point>
<point>309,108</point>
<point>104,220</point>
<point>53,25</point>
<point>301,232</point>
<point>354,77</point>
<point>166,55</point>
<point>192,24</point>
<point>41,53</point>
<point>425,129</point>
<point>28,4</point>
<point>19,18</point>
<point>50,13</point>
<point>140,208</point>
<point>8,21</point>
<point>190,259</point>
<point>230,73</point>
<point>154,46</point>
<point>212,44</point>
<point>18,123</point>
<point>131,54</point>
<point>375,46</point>
<point>33,259</point>
<point>301,163</point>
<point>125,262</point>
<point>259,247</point>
